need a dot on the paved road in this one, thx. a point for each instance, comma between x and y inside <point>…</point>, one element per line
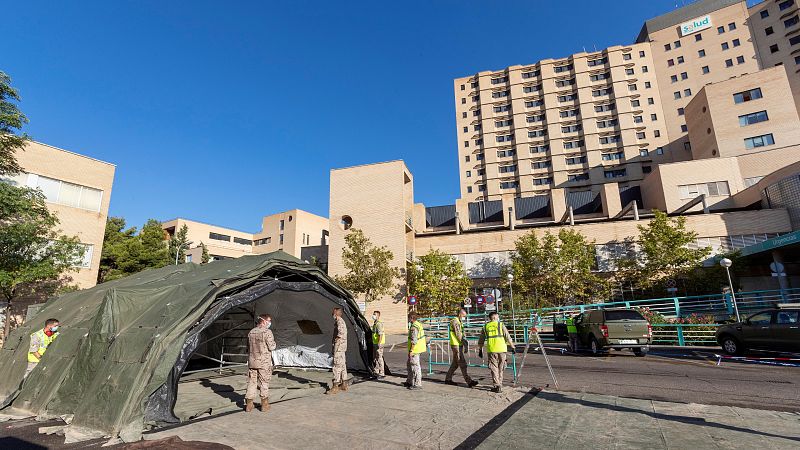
<point>674,375</point>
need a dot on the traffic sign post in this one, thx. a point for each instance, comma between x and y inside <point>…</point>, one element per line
<point>467,303</point>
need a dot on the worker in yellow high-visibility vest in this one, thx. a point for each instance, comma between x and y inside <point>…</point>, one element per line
<point>40,340</point>
<point>417,345</point>
<point>378,340</point>
<point>458,345</point>
<point>498,342</point>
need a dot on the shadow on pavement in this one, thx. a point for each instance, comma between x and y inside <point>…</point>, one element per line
<point>476,438</point>
<point>559,398</point>
<point>19,444</point>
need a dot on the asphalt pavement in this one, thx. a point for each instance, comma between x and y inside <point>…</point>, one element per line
<point>666,374</point>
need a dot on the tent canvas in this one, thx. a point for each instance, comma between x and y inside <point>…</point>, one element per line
<point>124,344</point>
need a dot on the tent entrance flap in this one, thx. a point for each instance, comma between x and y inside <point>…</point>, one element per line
<point>301,323</point>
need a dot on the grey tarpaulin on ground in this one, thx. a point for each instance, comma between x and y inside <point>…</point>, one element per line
<point>124,344</point>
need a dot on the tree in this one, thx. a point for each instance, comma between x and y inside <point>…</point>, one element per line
<point>662,252</point>
<point>178,245</point>
<point>369,270</point>
<point>11,121</point>
<point>439,281</point>
<point>126,252</point>
<point>33,255</point>
<point>205,256</point>
<point>555,270</point>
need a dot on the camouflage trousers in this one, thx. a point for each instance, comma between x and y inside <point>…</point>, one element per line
<point>497,365</point>
<point>378,358</point>
<point>339,367</point>
<point>457,360</point>
<point>258,379</point>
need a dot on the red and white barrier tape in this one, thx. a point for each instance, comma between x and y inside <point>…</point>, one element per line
<point>783,361</point>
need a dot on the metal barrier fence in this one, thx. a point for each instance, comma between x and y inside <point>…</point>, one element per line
<point>719,306</point>
<point>439,353</point>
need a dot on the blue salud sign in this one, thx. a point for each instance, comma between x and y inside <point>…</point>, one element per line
<point>412,299</point>
<point>695,25</point>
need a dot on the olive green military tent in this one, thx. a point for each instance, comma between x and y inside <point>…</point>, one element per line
<point>123,345</point>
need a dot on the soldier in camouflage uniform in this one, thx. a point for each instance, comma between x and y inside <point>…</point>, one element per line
<point>339,350</point>
<point>259,362</point>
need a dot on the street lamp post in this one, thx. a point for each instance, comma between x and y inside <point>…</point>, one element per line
<point>727,263</point>
<point>510,277</point>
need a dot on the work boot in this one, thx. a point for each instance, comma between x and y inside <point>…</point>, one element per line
<point>333,390</point>
<point>497,389</point>
<point>264,404</point>
<point>248,406</point>
<point>343,386</point>
<point>472,383</point>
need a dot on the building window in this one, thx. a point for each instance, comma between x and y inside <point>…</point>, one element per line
<point>701,53</point>
<point>626,56</point>
<point>746,96</point>
<point>751,181</point>
<point>613,156</point>
<point>687,146</point>
<point>504,154</point>
<point>508,169</point>
<point>466,143</point>
<point>677,94</point>
<point>567,113</point>
<point>698,37</point>
<point>644,152</point>
<point>647,169</point>
<point>481,188</point>
<point>740,60</point>
<point>644,69</point>
<point>568,97</point>
<point>533,119</point>
<point>641,53</point>
<point>705,70</point>
<point>219,237</point>
<point>610,139</point>
<point>280,239</point>
<point>791,21</point>
<point>725,46</point>
<point>647,85</point>
<point>637,119</point>
<point>794,40</point>
<point>242,241</point>
<point>681,111</point>
<point>503,123</point>
<point>650,101</point>
<point>750,119</point>
<point>601,92</point>
<point>684,128</point>
<point>628,71</point>
<point>282,223</point>
<point>759,141</point>
<point>728,63</point>
<point>538,87</point>
<point>680,59</point>
<point>479,157</point>
<point>603,108</point>
<point>616,173</point>
<point>687,92</point>
<point>768,31</point>
<point>559,69</point>
<point>631,87</point>
<point>596,62</point>
<point>500,94</point>
<point>599,76</point>
<point>657,133</point>
<point>607,123</point>
<point>539,148</point>
<point>541,164</point>
<point>481,172</point>
<point>476,113</point>
<point>571,128</point>
<point>63,192</point>
<point>578,177</point>
<point>797,59</point>
<point>502,108</point>
<point>676,44</point>
<point>712,189</point>
<point>576,160</point>
<point>735,42</point>
<point>635,103</point>
<point>764,14</point>
<point>670,62</point>
<point>499,80</point>
<point>667,47</point>
<point>720,30</point>
<point>469,173</point>
<point>533,103</point>
<point>785,4</point>
<point>542,181</point>
<point>640,135</point>
<point>477,127</point>
<point>684,76</point>
<point>660,151</point>
<point>773,48</point>
<point>463,101</point>
<point>537,133</point>
<point>673,78</point>
<point>469,189</point>
<point>573,144</point>
<point>653,117</point>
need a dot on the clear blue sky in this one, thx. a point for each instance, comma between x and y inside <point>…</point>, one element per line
<point>227,111</point>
